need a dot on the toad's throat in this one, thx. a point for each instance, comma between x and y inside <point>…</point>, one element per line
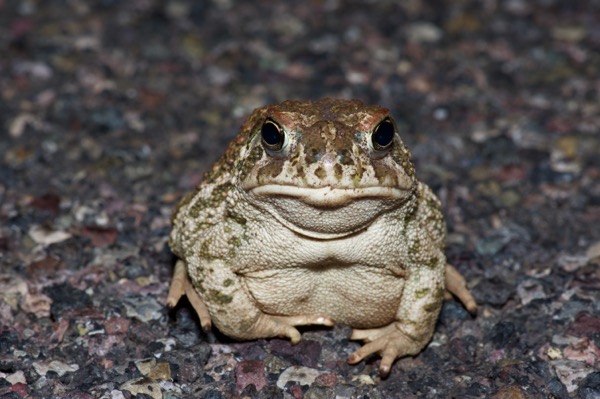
<point>326,213</point>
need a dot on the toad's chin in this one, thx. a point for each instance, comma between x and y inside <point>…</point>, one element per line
<point>326,212</point>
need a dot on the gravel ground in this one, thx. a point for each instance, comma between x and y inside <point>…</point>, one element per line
<point>111,111</point>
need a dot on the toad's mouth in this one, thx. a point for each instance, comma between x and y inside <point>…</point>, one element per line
<point>327,213</point>
<point>328,197</point>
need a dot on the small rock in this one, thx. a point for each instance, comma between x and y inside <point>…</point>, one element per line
<point>589,388</point>
<point>18,377</point>
<point>20,389</point>
<point>530,290</point>
<point>274,364</point>
<point>116,325</point>
<point>344,391</point>
<point>569,33</point>
<point>187,364</point>
<point>307,352</point>
<point>502,334</point>
<point>212,394</point>
<point>570,372</point>
<point>270,392</point>
<point>327,380</point>
<point>143,386</point>
<point>143,308</point>
<point>583,350</point>
<point>12,289</point>
<point>77,395</point>
<point>37,304</point>
<point>494,291</point>
<point>65,297</point>
<point>44,236</point>
<point>301,375</point>
<point>510,392</point>
<point>319,392</point>
<point>153,369</point>
<point>249,372</point>
<point>116,394</point>
<point>585,324</point>
<point>364,379</point>
<point>107,118</point>
<point>423,32</point>
<point>60,368</point>
<point>570,263</point>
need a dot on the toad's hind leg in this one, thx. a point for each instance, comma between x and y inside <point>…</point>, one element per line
<point>181,285</point>
<point>457,286</point>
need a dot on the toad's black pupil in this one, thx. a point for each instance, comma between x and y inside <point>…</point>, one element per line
<point>271,134</point>
<point>383,134</point>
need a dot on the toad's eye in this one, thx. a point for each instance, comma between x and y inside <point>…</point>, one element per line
<point>272,136</point>
<point>383,135</point>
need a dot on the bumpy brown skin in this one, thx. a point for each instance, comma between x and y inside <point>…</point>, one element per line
<point>325,225</point>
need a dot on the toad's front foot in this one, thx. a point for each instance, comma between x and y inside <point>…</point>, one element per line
<point>457,286</point>
<point>267,326</point>
<point>390,342</point>
<point>181,285</point>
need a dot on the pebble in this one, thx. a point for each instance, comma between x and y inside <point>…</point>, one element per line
<point>299,374</point>
<point>570,372</point>
<point>45,236</point>
<point>60,368</point>
<point>589,388</point>
<point>143,386</point>
<point>250,372</point>
<point>143,308</point>
<point>510,392</point>
<point>424,32</point>
<point>529,290</point>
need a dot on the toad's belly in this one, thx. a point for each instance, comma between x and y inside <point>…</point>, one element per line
<point>357,296</point>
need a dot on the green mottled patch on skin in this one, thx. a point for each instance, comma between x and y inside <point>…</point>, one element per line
<point>338,171</point>
<point>431,307</point>
<point>311,156</point>
<point>320,173</point>
<point>358,174</point>
<point>433,262</point>
<point>218,297</point>
<point>227,282</point>
<point>408,219</point>
<point>439,292</point>
<point>272,169</point>
<point>239,219</point>
<point>220,193</point>
<point>401,156</point>
<point>235,243</point>
<point>200,205</point>
<point>381,171</point>
<point>184,202</point>
<point>199,287</point>
<point>205,252</point>
<point>414,248</point>
<point>217,197</point>
<point>255,155</point>
<point>422,293</point>
<point>344,157</point>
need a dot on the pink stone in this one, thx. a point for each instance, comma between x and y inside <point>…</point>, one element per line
<point>250,372</point>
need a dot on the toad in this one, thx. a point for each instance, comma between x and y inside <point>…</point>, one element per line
<point>314,215</point>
